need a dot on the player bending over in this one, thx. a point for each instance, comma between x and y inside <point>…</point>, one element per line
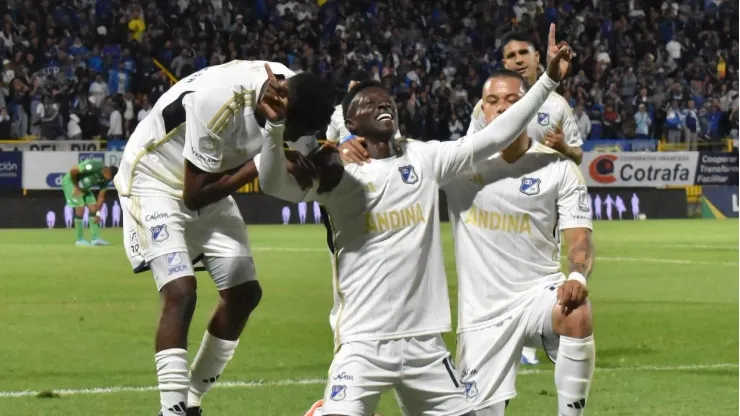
<point>179,168</point>
<point>506,216</point>
<point>391,302</point>
<point>554,124</point>
<point>77,185</point>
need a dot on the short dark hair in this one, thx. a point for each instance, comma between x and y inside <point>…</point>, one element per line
<point>518,36</point>
<point>310,100</point>
<point>507,73</point>
<point>352,93</point>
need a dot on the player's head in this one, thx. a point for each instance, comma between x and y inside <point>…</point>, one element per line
<point>357,77</point>
<point>369,111</point>
<point>521,55</point>
<point>310,105</point>
<point>501,90</point>
<point>109,172</point>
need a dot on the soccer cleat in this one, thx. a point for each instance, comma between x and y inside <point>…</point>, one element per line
<point>529,359</point>
<point>194,411</point>
<point>100,242</point>
<point>315,409</point>
<point>82,243</point>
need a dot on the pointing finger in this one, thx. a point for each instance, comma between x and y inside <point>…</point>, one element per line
<point>551,36</point>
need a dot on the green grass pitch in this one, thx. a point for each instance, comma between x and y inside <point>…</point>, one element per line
<point>665,297</point>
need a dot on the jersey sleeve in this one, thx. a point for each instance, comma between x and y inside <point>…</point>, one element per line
<point>452,158</point>
<point>336,126</point>
<point>207,127</point>
<point>574,207</point>
<point>273,175</point>
<point>570,128</point>
<point>477,120</point>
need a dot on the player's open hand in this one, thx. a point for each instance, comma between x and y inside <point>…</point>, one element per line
<point>355,151</point>
<point>558,56</point>
<point>274,101</point>
<point>556,139</point>
<point>571,294</point>
<point>302,169</point>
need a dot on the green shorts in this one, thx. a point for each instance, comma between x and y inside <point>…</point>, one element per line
<point>87,198</point>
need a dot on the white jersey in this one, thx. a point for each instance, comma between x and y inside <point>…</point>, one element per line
<point>337,130</point>
<point>206,118</point>
<point>506,221</point>
<point>554,112</point>
<point>389,275</point>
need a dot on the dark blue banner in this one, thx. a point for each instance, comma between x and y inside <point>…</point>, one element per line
<point>716,168</point>
<point>11,169</point>
<point>620,145</point>
<point>719,202</point>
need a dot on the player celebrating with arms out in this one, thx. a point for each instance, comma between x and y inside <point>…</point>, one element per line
<point>77,185</point>
<point>179,168</point>
<point>506,220</point>
<point>391,302</point>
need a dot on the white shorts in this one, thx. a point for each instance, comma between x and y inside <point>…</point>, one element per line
<point>488,357</point>
<point>160,226</point>
<point>417,368</point>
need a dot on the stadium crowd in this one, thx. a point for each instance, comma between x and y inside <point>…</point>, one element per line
<point>645,69</point>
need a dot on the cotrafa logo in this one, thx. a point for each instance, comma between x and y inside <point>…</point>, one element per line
<point>8,166</point>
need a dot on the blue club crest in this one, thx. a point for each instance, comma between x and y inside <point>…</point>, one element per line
<point>530,186</point>
<point>471,390</point>
<point>159,233</point>
<point>543,119</point>
<point>408,174</point>
<point>338,392</point>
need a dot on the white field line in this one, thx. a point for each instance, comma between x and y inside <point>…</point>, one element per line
<point>318,381</point>
<point>607,258</point>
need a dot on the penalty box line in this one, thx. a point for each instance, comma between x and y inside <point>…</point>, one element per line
<point>318,381</point>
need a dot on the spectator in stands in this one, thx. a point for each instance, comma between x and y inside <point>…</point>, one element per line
<point>6,123</point>
<point>691,125</point>
<point>673,123</point>
<point>582,121</point>
<point>642,122</point>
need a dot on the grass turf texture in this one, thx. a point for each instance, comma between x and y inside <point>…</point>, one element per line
<point>664,294</point>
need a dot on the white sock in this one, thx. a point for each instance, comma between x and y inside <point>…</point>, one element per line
<point>529,352</point>
<point>209,363</point>
<point>574,368</point>
<point>172,374</point>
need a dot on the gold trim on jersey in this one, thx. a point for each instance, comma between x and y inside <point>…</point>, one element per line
<point>238,101</point>
<point>149,149</point>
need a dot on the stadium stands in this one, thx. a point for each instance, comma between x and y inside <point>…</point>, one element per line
<point>664,72</point>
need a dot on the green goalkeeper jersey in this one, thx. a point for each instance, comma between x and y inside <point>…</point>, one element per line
<point>90,176</point>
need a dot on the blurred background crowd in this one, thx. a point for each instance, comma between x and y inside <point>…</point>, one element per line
<point>83,69</point>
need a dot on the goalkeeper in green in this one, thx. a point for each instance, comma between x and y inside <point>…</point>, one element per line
<point>77,185</point>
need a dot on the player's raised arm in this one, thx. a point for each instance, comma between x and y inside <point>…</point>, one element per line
<point>205,181</point>
<point>454,158</point>
<point>574,211</point>
<point>276,173</point>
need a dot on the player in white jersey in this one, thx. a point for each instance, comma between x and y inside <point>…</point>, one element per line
<point>554,124</point>
<point>506,216</point>
<point>179,168</point>
<point>391,302</point>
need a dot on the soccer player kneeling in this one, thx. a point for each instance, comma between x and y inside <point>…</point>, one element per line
<point>507,215</point>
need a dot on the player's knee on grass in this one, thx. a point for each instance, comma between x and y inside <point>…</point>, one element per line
<point>576,324</point>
